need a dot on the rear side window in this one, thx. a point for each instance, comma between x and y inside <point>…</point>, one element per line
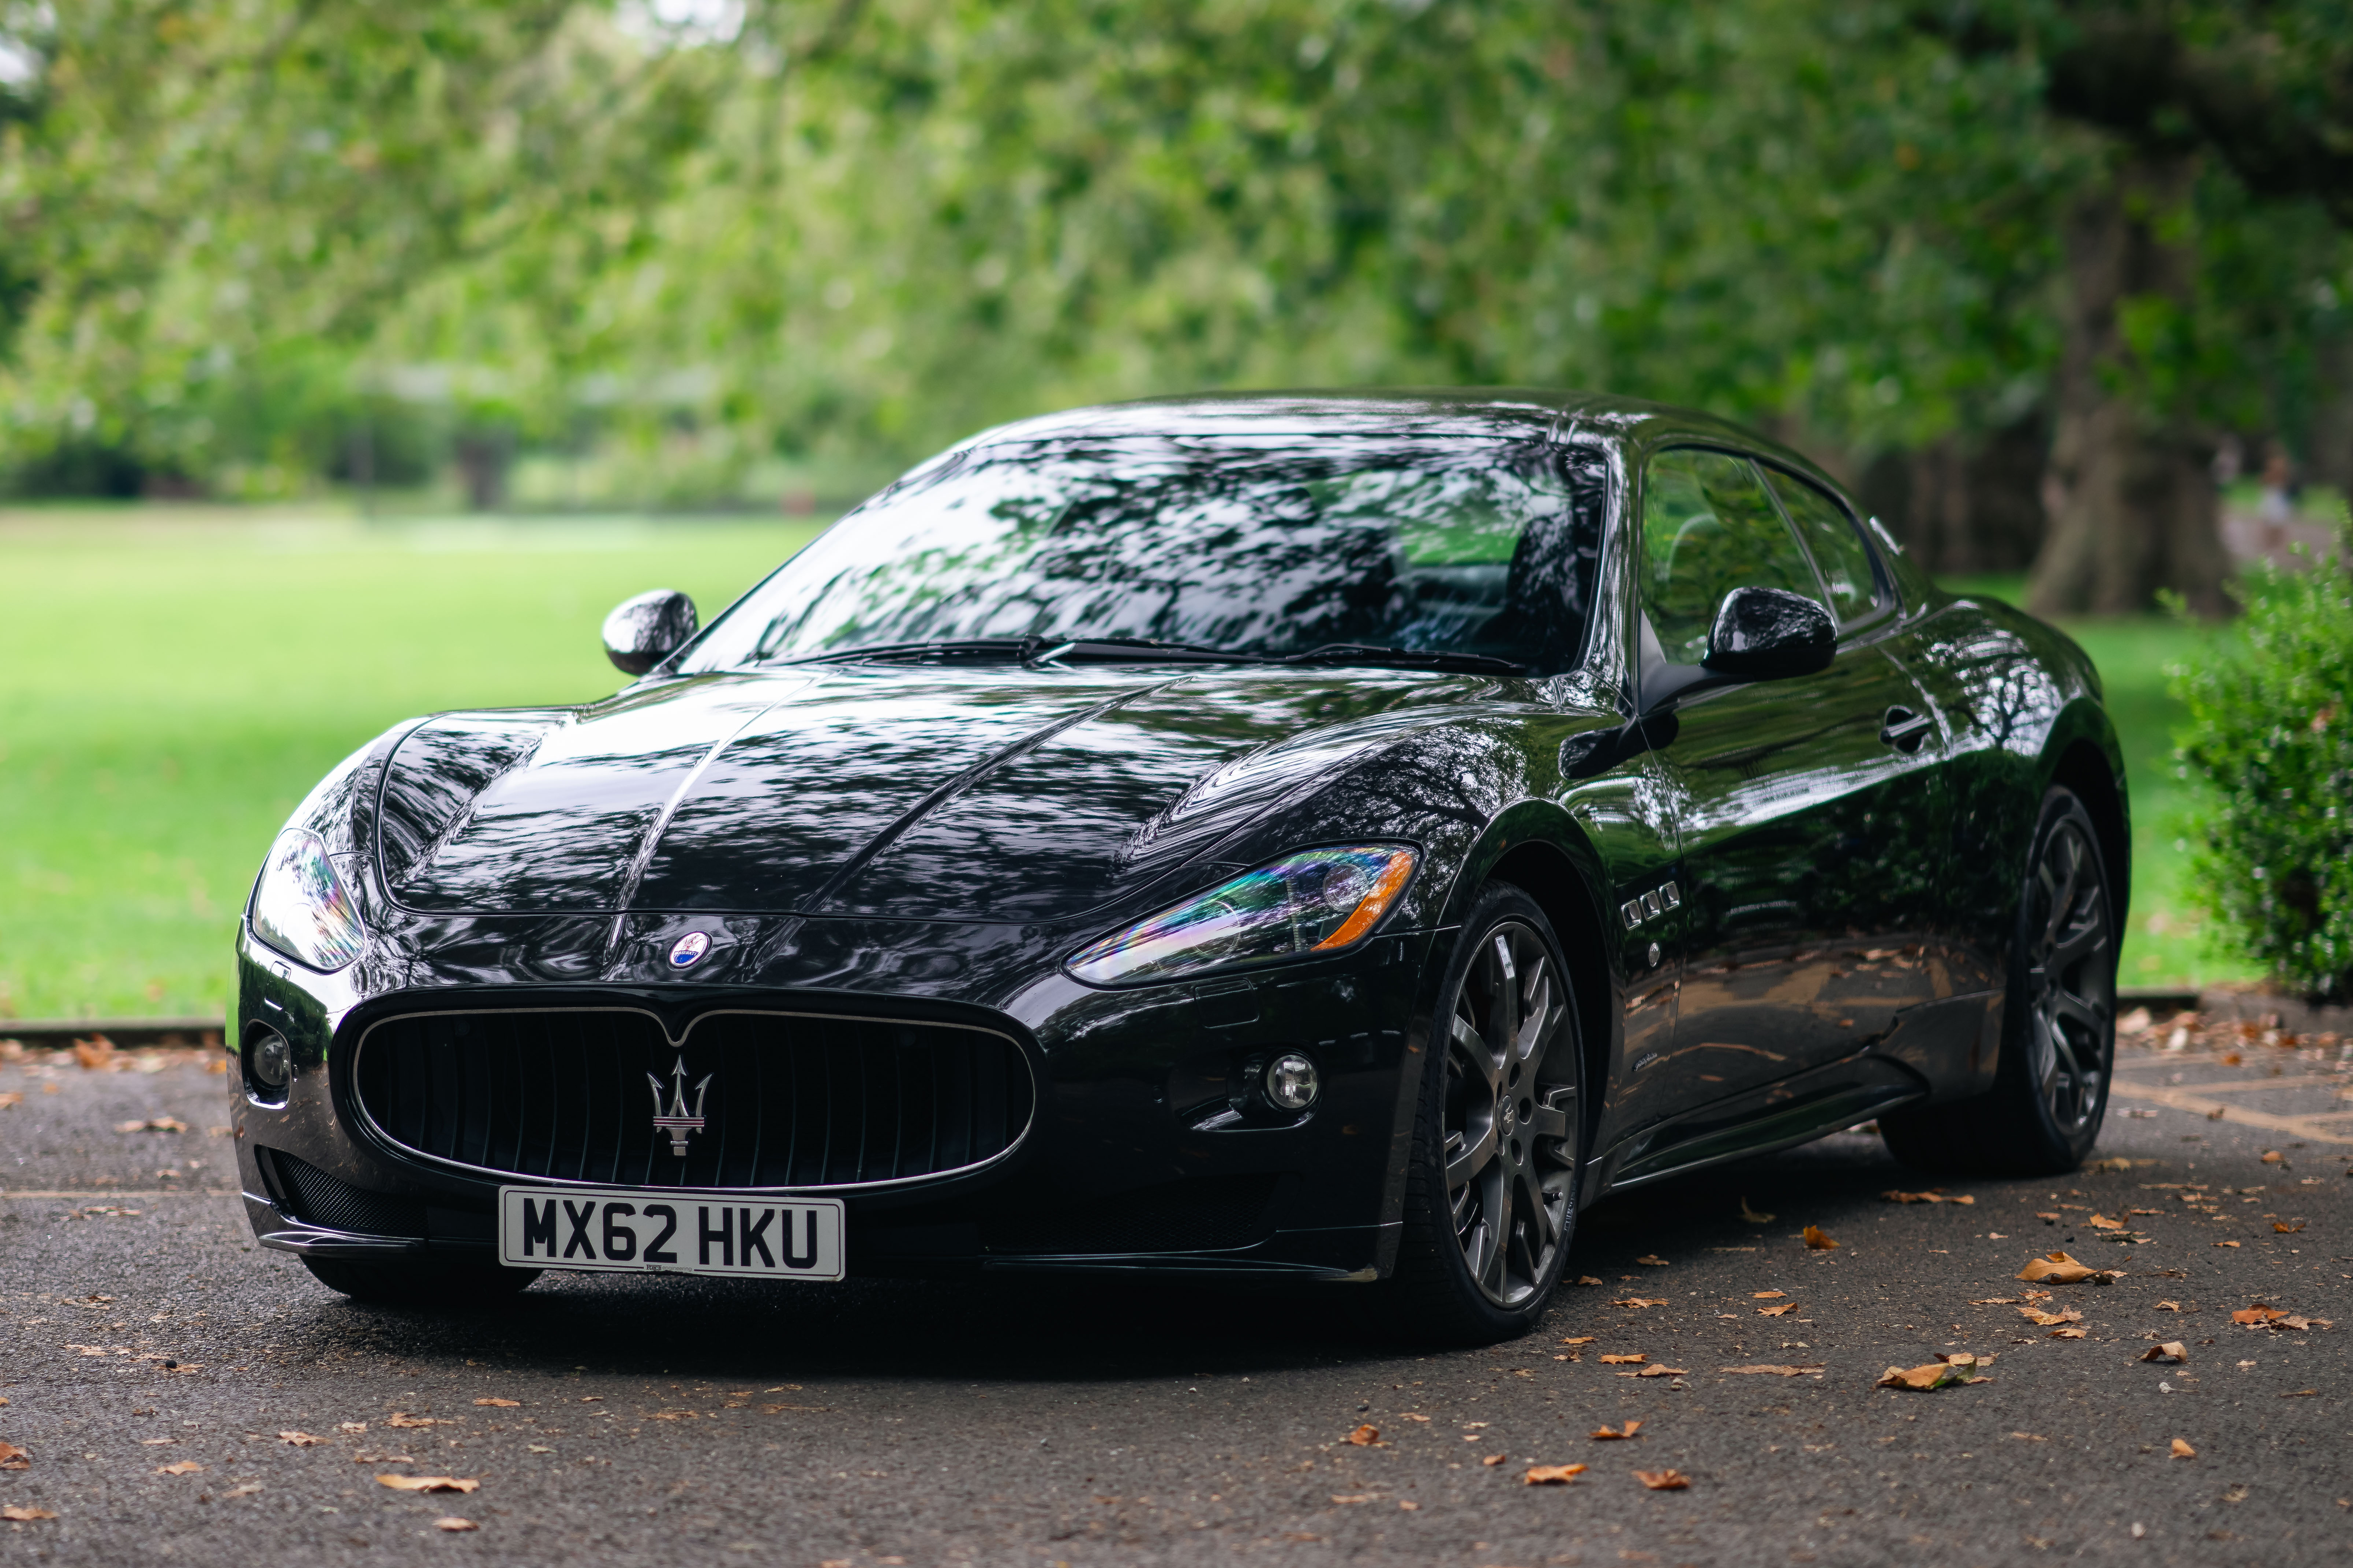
<point>1709,526</point>
<point>1837,547</point>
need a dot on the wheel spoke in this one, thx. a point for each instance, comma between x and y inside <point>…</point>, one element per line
<point>1499,1231</point>
<point>1503,1015</point>
<point>1473,1158</point>
<point>1549,1121</point>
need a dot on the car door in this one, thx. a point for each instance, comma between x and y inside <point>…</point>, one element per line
<point>1807,809</point>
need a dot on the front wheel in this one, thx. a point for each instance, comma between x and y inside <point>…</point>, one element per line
<point>1491,1192</point>
<point>2059,1026</point>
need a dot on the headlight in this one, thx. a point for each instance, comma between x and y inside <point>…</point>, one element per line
<point>301,907</point>
<point>1318,900</point>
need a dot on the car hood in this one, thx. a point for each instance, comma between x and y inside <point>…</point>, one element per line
<point>874,791</point>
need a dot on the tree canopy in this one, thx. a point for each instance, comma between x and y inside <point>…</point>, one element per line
<point>870,225</point>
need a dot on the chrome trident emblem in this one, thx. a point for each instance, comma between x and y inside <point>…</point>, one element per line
<point>677,1122</point>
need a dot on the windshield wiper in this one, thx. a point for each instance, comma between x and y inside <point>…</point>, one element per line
<point>1146,650</point>
<point>1406,659</point>
<point>1036,651</point>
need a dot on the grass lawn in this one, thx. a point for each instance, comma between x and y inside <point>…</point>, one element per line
<point>174,679</point>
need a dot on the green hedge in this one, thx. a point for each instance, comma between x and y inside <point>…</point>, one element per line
<point>2270,744</point>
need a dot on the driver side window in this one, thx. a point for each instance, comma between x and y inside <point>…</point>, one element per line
<point>1709,526</point>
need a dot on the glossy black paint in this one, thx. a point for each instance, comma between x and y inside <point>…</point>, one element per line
<point>933,838</point>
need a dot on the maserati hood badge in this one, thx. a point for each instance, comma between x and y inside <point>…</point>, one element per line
<point>678,1121</point>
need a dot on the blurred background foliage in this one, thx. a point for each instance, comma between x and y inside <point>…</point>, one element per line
<point>2019,269</point>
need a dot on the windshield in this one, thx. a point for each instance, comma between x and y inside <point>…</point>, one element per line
<point>1262,547</point>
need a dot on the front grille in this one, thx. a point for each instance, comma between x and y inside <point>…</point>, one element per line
<point>1200,1213</point>
<point>792,1100</point>
<point>314,1197</point>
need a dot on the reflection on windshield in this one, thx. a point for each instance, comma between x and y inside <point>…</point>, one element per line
<point>1460,545</point>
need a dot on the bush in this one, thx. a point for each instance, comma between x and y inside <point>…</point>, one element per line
<point>2271,737</point>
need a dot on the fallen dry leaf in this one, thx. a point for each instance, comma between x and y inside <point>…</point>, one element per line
<point>1816,1239</point>
<point>1933,1195</point>
<point>1410,1416</point>
<point>1655,1370</point>
<point>14,1098</point>
<point>1580,1340</point>
<point>1552,1475</point>
<point>1408,1505</point>
<point>95,1054</point>
<point>403,1418</point>
<point>428,1483</point>
<point>299,1439</point>
<point>1767,1295</point>
<point>1492,1459</point>
<point>2060,1270</point>
<point>1649,1261</point>
<point>185,1467</point>
<point>1360,1496</point>
<point>2258,1314</point>
<point>2169,1305</point>
<point>2068,1333</point>
<point>2172,1352</point>
<point>501,1403</point>
<point>2302,1394</point>
<point>1608,1435</point>
<point>2284,1228</point>
<point>1770,1371</point>
<point>1587,1279</point>
<point>247,1489</point>
<point>152,1124</point>
<point>1752,1216</point>
<point>1777,1311</point>
<point>1640,1302</point>
<point>2272,1156</point>
<point>12,1457</point>
<point>1364,1437</point>
<point>21,1514</point>
<point>352,1426</point>
<point>1958,1367</point>
<point>454,1524</point>
<point>2182,1450</point>
<point>1663,1480</point>
<point>2042,1319</point>
<point>1633,1360</point>
<point>2102,1222</point>
<point>2226,1244</point>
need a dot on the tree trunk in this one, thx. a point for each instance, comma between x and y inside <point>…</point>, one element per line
<point>2330,460</point>
<point>2128,486</point>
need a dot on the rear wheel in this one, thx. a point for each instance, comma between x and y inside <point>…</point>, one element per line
<point>1491,1193</point>
<point>421,1284</point>
<point>2051,1089</point>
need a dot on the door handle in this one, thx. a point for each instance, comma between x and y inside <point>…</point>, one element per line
<point>1905,730</point>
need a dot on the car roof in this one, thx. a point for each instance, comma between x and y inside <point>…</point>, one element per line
<point>1507,413</point>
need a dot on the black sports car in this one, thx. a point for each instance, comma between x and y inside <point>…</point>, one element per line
<point>1311,837</point>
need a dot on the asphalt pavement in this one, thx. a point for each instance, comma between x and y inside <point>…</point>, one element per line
<point>182,1396</point>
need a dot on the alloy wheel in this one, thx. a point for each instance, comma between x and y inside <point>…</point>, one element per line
<point>1510,1114</point>
<point>2070,979</point>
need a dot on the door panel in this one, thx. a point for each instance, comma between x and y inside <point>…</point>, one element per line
<point>1627,815</point>
<point>1812,845</point>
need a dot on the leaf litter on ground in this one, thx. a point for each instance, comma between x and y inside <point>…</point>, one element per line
<point>1549,1475</point>
<point>1605,1434</point>
<point>1818,1239</point>
<point>429,1483</point>
<point>1663,1480</point>
<point>1948,1370</point>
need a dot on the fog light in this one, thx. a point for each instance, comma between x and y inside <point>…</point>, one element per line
<point>1290,1081</point>
<point>270,1064</point>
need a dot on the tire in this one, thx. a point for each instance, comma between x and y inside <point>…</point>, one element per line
<point>1498,1136</point>
<point>2058,1041</point>
<point>421,1284</point>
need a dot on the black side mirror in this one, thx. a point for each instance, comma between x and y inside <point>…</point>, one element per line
<point>642,632</point>
<point>1770,633</point>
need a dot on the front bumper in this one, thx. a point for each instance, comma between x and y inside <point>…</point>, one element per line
<point>1135,1158</point>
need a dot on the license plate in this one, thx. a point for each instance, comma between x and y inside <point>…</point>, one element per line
<point>643,1230</point>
